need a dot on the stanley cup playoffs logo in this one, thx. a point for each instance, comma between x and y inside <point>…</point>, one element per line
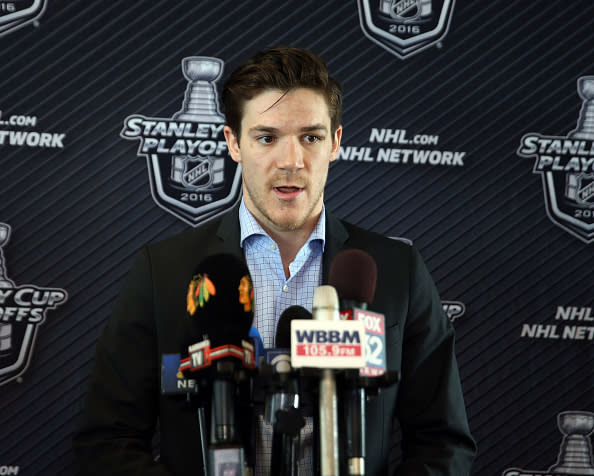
<point>22,309</point>
<point>190,173</point>
<point>15,14</point>
<point>566,165</point>
<point>405,27</point>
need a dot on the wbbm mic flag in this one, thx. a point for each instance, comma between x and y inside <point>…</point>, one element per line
<point>327,344</point>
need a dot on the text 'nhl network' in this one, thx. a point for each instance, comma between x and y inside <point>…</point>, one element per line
<point>410,154</point>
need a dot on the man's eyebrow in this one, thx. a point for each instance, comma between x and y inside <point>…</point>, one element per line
<point>314,127</point>
<point>274,130</point>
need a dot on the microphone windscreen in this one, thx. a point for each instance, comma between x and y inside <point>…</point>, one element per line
<point>220,300</point>
<point>354,275</point>
<point>325,304</point>
<point>283,328</point>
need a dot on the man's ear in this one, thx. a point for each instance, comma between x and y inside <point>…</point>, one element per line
<point>232,144</point>
<point>336,143</point>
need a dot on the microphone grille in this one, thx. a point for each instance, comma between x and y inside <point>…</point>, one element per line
<point>220,300</point>
<point>354,275</point>
<point>325,303</point>
<point>283,328</point>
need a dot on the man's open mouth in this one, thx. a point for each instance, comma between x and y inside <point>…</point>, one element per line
<point>288,189</point>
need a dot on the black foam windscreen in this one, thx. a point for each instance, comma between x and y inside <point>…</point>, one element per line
<point>353,273</point>
<point>283,328</point>
<point>220,300</point>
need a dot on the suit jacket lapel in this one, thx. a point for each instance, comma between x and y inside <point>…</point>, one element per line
<point>228,234</point>
<point>336,237</point>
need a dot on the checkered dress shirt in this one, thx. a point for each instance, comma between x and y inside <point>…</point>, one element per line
<point>273,294</point>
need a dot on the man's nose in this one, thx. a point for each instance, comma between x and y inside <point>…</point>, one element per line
<point>291,157</point>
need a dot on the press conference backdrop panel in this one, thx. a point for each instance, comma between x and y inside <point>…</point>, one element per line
<point>468,129</point>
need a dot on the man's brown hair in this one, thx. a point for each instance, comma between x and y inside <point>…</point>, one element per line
<point>284,68</point>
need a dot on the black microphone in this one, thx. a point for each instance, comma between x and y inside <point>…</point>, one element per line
<point>220,303</point>
<point>284,391</point>
<point>354,275</point>
<point>283,406</point>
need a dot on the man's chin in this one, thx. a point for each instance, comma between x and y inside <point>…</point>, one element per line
<point>288,223</point>
<point>284,219</point>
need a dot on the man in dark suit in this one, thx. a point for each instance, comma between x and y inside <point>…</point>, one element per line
<point>283,116</point>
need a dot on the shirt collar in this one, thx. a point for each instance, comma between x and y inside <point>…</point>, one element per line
<point>249,226</point>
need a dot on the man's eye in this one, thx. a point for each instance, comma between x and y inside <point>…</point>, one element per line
<point>311,139</point>
<point>266,139</point>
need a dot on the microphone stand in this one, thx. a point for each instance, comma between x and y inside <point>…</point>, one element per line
<point>286,441</point>
<point>355,422</point>
<point>284,413</point>
<point>354,413</point>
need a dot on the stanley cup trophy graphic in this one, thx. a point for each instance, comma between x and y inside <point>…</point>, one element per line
<point>200,101</point>
<point>575,454</point>
<point>4,236</point>
<point>5,329</point>
<point>585,125</point>
<point>199,105</point>
<point>580,187</point>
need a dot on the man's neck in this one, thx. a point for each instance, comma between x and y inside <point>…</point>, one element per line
<point>289,243</point>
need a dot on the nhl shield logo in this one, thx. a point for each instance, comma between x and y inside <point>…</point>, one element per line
<point>566,165</point>
<point>22,310</point>
<point>405,27</point>
<point>190,172</point>
<point>18,13</point>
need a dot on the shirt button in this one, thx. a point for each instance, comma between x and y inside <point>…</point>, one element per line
<point>273,246</point>
<point>285,288</point>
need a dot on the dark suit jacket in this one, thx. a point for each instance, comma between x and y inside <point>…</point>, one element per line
<point>124,400</point>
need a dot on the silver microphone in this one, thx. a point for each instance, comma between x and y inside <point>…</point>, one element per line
<point>325,308</point>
